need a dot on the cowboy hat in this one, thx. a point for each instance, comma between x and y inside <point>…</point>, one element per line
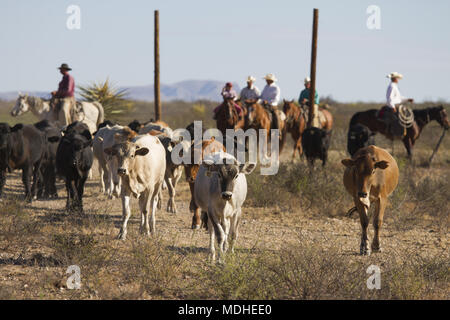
<point>251,78</point>
<point>65,66</point>
<point>307,79</point>
<point>394,75</point>
<point>271,77</point>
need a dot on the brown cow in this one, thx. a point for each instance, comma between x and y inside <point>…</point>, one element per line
<point>208,147</point>
<point>371,176</point>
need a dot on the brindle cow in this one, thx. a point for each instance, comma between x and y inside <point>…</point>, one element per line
<point>208,147</point>
<point>370,177</point>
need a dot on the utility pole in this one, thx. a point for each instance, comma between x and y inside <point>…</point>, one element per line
<point>312,90</point>
<point>156,80</point>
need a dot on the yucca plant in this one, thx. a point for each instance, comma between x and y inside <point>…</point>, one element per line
<point>113,100</point>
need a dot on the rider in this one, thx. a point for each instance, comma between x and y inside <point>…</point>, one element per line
<point>228,93</point>
<point>305,97</point>
<point>394,99</point>
<point>270,98</point>
<point>65,95</point>
<point>250,92</point>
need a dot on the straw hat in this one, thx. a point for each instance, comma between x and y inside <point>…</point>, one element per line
<point>307,79</point>
<point>394,75</point>
<point>271,77</point>
<point>251,79</point>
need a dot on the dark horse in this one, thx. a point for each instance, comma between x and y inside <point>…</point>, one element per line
<point>296,123</point>
<point>227,116</point>
<point>421,118</point>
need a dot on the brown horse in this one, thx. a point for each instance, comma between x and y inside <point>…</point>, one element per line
<point>421,118</point>
<point>256,117</point>
<point>296,123</point>
<point>227,116</point>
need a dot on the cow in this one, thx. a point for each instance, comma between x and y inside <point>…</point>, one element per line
<point>141,165</point>
<point>47,177</point>
<point>21,147</point>
<point>371,175</point>
<point>207,147</point>
<point>174,171</point>
<point>107,137</point>
<point>74,158</point>
<point>359,136</point>
<point>220,191</point>
<point>156,128</point>
<point>315,144</point>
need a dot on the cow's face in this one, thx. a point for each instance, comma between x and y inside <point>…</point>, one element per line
<point>359,137</point>
<point>21,106</point>
<point>77,144</point>
<point>227,175</point>
<point>365,166</point>
<point>126,154</point>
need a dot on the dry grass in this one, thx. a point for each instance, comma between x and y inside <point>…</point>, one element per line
<point>295,242</point>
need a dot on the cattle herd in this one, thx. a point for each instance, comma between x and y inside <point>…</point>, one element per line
<point>136,161</point>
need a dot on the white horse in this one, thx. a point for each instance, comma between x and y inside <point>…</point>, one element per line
<point>91,113</point>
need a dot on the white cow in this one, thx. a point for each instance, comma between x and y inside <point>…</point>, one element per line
<point>141,165</point>
<point>105,138</point>
<point>220,190</point>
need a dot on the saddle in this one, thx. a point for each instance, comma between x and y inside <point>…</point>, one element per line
<point>398,122</point>
<point>320,115</point>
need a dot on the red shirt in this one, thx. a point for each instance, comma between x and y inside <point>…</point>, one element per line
<point>66,87</point>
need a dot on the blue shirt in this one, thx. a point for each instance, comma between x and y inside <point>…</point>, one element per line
<point>305,95</point>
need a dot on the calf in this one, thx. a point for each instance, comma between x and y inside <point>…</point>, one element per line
<point>315,144</point>
<point>142,166</point>
<point>359,136</point>
<point>106,137</point>
<point>47,181</point>
<point>207,147</point>
<point>220,191</point>
<point>371,175</point>
<point>173,171</point>
<point>21,147</point>
<point>74,158</point>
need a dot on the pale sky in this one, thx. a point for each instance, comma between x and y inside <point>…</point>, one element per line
<point>228,40</point>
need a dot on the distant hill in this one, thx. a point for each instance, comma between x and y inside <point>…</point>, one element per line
<point>189,90</point>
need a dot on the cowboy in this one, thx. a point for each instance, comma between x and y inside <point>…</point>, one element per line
<point>64,98</point>
<point>228,93</point>
<point>270,98</point>
<point>250,92</point>
<point>305,97</point>
<point>394,99</point>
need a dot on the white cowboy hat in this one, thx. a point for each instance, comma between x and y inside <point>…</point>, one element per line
<point>307,79</point>
<point>271,77</point>
<point>251,78</point>
<point>394,75</point>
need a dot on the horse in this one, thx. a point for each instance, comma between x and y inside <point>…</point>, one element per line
<point>257,118</point>
<point>92,113</point>
<point>296,123</point>
<point>227,116</point>
<point>421,118</point>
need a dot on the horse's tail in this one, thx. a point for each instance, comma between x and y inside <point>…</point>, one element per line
<point>101,112</point>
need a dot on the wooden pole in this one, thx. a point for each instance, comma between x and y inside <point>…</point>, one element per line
<point>156,82</point>
<point>312,90</point>
<point>437,147</point>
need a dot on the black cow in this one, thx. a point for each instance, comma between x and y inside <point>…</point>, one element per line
<point>47,179</point>
<point>315,143</point>
<point>21,147</point>
<point>74,159</point>
<point>135,125</point>
<point>359,136</point>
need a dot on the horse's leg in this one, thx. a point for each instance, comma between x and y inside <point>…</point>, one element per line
<point>392,146</point>
<point>408,145</point>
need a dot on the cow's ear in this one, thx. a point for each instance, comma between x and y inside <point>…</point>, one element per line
<point>17,127</point>
<point>348,163</point>
<point>247,167</point>
<point>87,134</point>
<point>382,164</point>
<point>110,151</point>
<point>141,151</point>
<point>53,139</point>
